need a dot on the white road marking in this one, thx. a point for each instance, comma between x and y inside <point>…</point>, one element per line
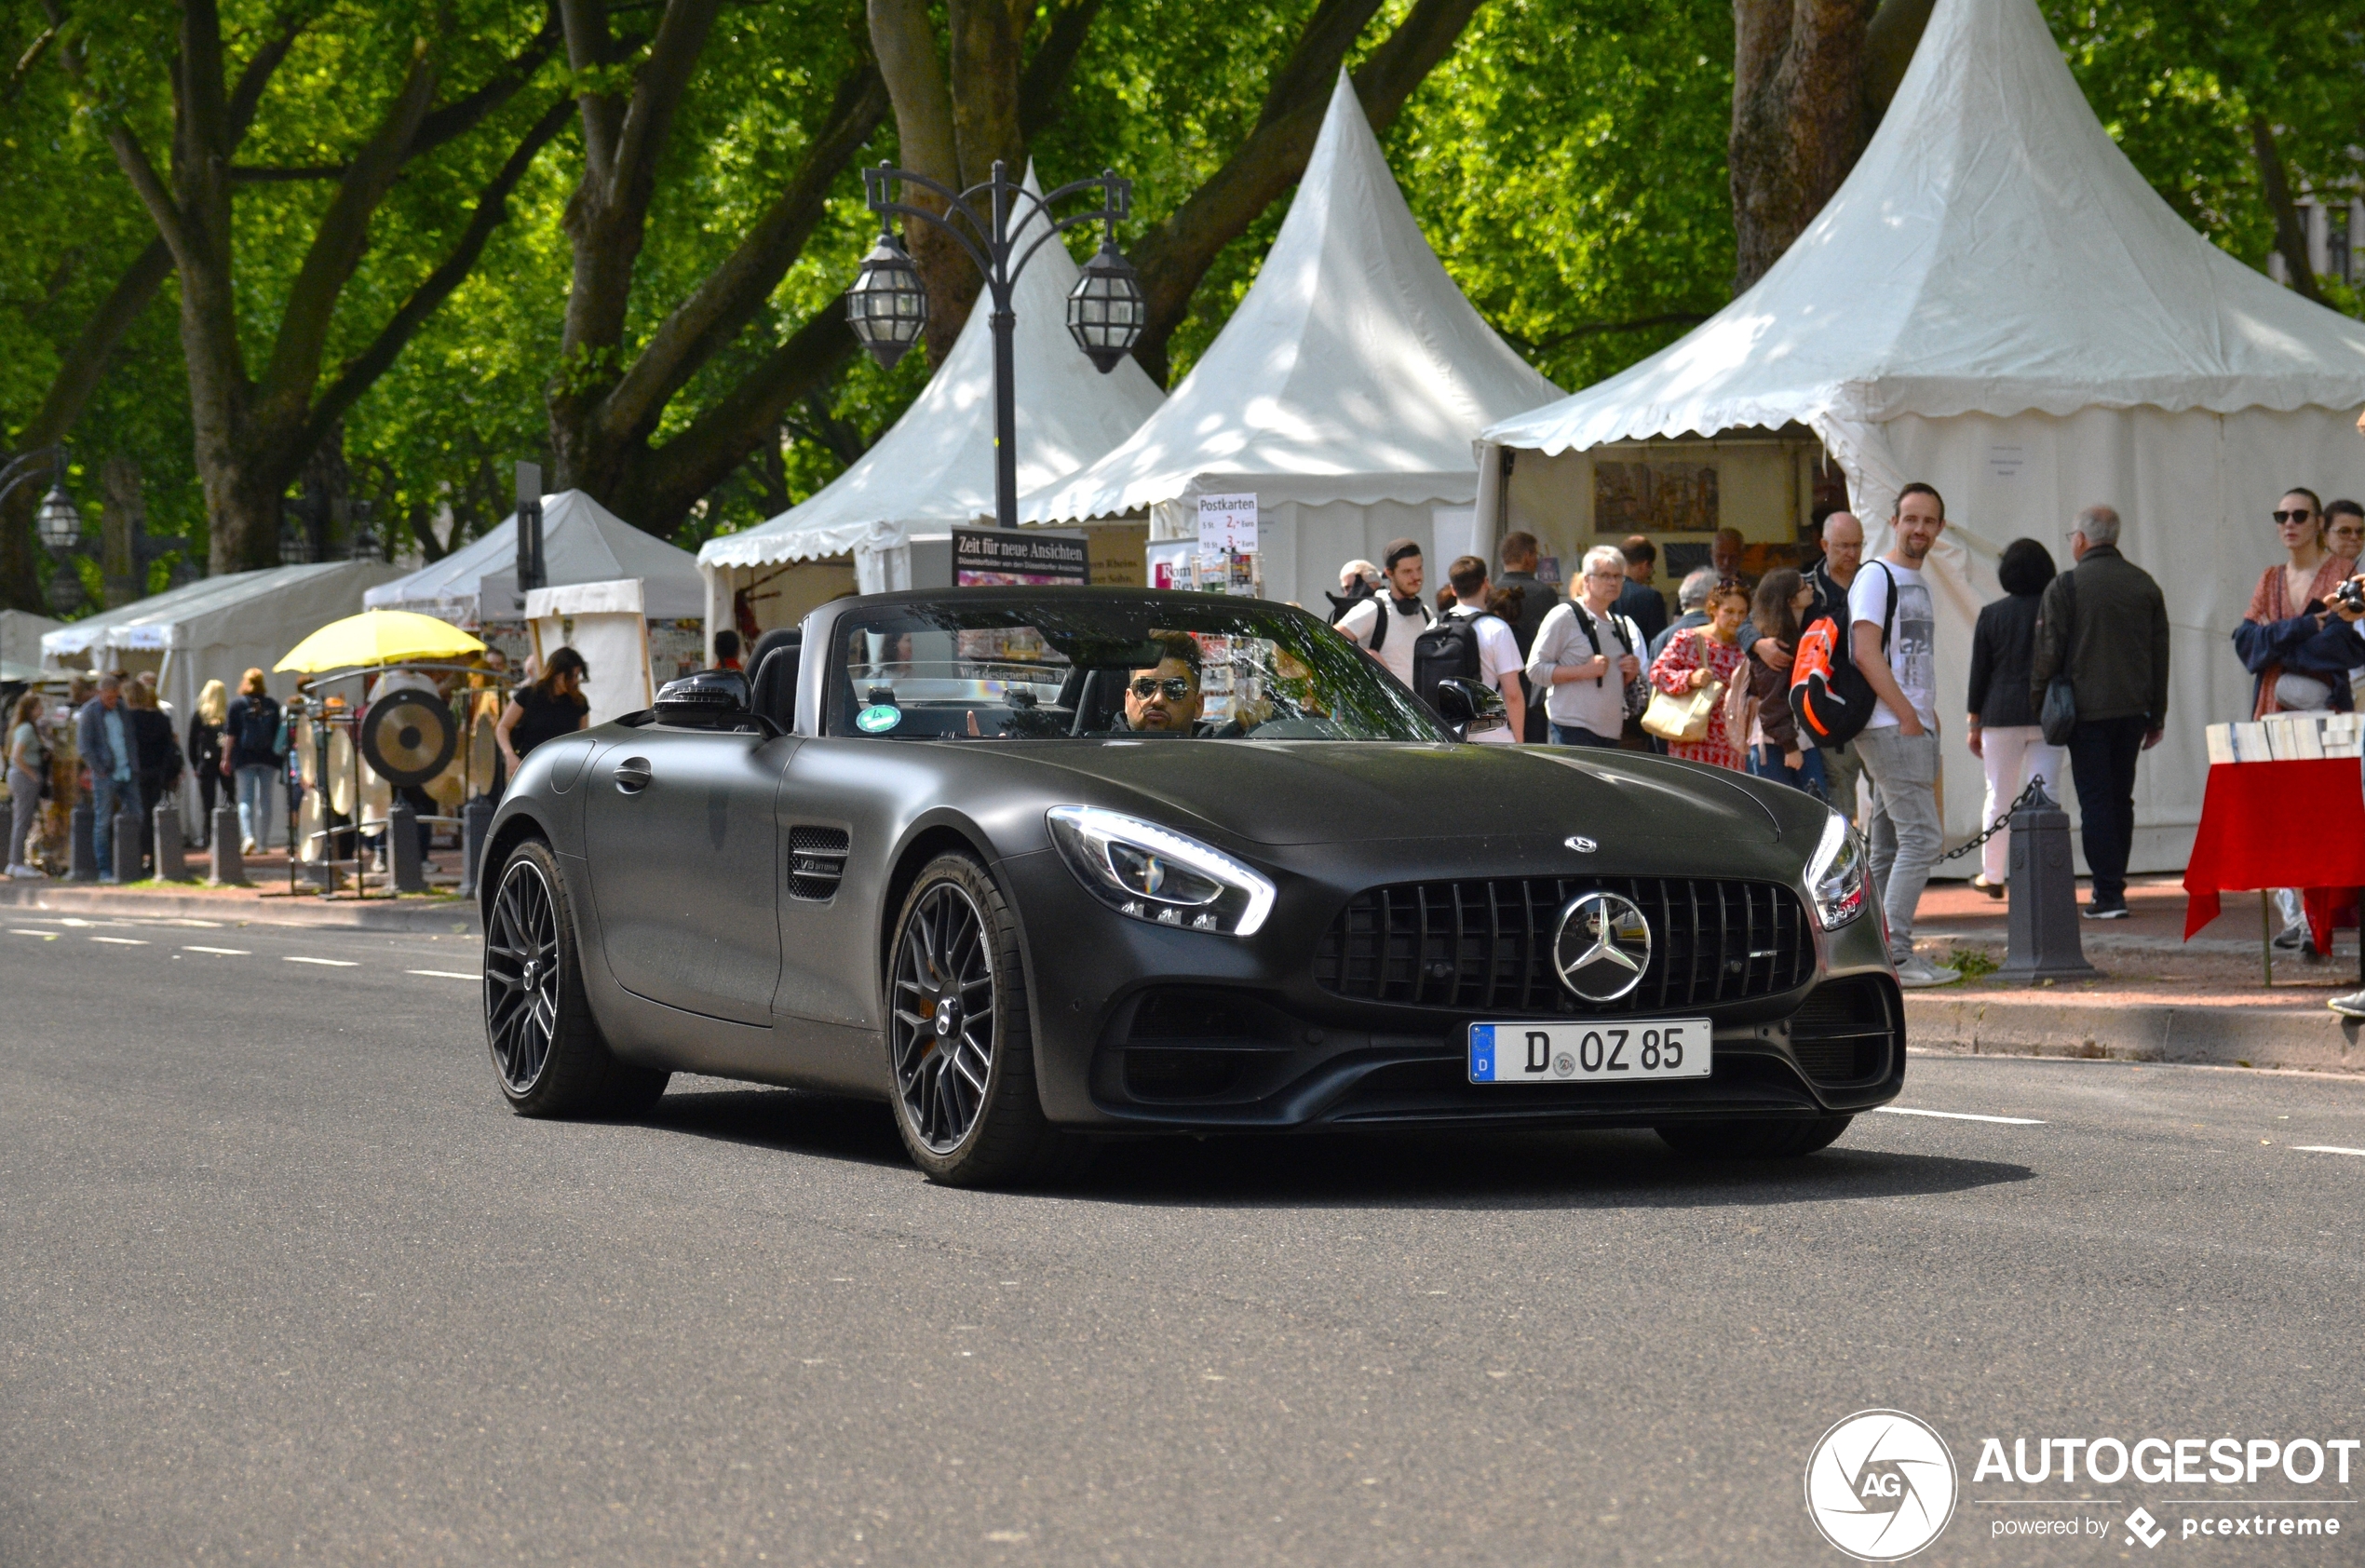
<point>121,941</point>
<point>444,974</point>
<point>2327,1149</point>
<point>330,963</point>
<point>1959,1115</point>
<point>44,935</point>
<point>226,952</point>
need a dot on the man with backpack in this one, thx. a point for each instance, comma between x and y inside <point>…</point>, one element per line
<point>1893,639</point>
<point>1386,625</point>
<point>1471,642</point>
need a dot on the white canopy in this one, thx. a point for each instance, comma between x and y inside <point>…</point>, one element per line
<point>1993,253</point>
<point>1997,302</point>
<point>1354,372</point>
<point>935,467</point>
<point>582,542</point>
<point>21,634</point>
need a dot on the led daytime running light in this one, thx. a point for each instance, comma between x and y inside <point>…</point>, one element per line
<point>1839,877</point>
<point>1085,834</point>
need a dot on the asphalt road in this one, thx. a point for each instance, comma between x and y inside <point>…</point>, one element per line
<point>282,1281</point>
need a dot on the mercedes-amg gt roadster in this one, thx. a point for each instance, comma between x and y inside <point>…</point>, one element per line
<point>1040,866</point>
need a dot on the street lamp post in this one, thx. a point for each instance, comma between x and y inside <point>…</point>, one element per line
<point>887,306</point>
<point>58,520</point>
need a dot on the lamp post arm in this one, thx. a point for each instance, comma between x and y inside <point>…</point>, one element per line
<point>23,467</point>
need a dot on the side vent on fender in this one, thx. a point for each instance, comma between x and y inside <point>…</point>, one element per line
<point>816,861</point>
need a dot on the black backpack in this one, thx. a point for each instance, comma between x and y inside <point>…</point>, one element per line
<point>258,729</point>
<point>1448,650</point>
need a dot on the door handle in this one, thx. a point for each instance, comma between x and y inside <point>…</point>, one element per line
<point>632,775</point>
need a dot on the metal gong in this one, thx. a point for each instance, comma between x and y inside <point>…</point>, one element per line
<point>408,737</point>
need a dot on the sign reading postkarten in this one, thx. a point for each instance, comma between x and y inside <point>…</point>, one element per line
<point>985,557</point>
<point>1227,525</point>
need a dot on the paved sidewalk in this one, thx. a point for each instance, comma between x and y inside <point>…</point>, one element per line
<point>266,902</point>
<point>2157,997</point>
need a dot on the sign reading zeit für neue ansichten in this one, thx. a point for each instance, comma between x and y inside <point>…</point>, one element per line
<point>984,556</point>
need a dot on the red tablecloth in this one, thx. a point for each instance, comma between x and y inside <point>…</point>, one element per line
<point>2299,824</point>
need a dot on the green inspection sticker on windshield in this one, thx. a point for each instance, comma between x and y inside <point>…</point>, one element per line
<point>878,719</point>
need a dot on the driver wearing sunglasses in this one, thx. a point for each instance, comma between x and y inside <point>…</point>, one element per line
<point>1165,698</point>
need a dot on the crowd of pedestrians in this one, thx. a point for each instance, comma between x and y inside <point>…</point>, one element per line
<point>1721,682</point>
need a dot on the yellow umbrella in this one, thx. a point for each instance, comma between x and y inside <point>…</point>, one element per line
<point>379,637</point>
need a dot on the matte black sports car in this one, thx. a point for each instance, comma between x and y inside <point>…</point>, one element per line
<point>1042,865</point>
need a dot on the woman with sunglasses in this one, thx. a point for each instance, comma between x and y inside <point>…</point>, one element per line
<point>2286,611</point>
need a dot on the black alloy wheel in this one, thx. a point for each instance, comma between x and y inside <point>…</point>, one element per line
<point>548,1051</point>
<point>958,1035</point>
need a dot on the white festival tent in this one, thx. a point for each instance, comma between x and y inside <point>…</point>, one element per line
<point>1345,392</point>
<point>582,542</point>
<point>216,629</point>
<point>1997,302</point>
<point>21,634</point>
<point>935,467</point>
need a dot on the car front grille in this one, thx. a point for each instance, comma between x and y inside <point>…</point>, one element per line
<point>1486,946</point>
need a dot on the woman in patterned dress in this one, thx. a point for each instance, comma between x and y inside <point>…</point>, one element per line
<point>1695,657</point>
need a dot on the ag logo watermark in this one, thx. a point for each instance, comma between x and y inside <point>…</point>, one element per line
<point>1880,1485</point>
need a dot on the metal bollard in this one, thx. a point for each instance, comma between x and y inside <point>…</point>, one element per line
<point>476,826</point>
<point>2042,920</point>
<point>172,864</point>
<point>402,848</point>
<point>229,867</point>
<point>82,861</point>
<point>127,848</point>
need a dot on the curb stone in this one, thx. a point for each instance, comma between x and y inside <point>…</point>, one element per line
<point>408,916</point>
<point>2223,1037</point>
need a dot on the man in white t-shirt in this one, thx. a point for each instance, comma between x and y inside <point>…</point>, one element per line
<point>1893,638</point>
<point>1386,625</point>
<point>1584,655</point>
<point>1499,662</point>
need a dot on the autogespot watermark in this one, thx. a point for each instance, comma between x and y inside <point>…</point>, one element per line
<point>1880,1485</point>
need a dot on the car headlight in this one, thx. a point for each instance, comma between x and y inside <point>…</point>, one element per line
<point>1839,878</point>
<point>1157,875</point>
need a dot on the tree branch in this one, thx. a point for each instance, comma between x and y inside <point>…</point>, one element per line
<point>252,174</point>
<point>79,372</point>
<point>245,98</point>
<point>1173,257</point>
<point>462,115</point>
<point>340,240</point>
<point>358,375</point>
<point>2291,233</point>
<point>720,438</point>
<point>591,47</point>
<point>1043,90</point>
<point>656,96</point>
<point>721,307</point>
<point>903,38</point>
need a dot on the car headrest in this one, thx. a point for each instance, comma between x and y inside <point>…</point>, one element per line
<point>775,664</point>
<point>1099,702</point>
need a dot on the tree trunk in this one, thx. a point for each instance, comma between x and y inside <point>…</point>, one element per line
<point>1798,119</point>
<point>2291,231</point>
<point>122,519</point>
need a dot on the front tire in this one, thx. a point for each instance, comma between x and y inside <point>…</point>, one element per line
<point>960,1043</point>
<point>548,1053</point>
<point>1759,1139</point>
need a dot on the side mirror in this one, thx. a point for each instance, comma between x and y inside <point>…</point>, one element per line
<point>1469,706</point>
<point>713,700</point>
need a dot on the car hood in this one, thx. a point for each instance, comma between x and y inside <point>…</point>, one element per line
<point>1315,793</point>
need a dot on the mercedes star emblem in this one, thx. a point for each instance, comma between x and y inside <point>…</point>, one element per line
<point>1603,946</point>
<point>1579,842</point>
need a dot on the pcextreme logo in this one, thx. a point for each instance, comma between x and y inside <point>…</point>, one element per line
<point>1880,1485</point>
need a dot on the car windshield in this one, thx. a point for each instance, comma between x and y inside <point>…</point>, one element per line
<point>1167,665</point>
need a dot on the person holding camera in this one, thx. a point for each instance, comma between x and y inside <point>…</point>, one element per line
<point>2345,603</point>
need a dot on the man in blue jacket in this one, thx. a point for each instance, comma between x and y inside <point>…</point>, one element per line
<point>102,733</point>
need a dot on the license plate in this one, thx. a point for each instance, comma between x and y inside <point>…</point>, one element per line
<point>1596,1053</point>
